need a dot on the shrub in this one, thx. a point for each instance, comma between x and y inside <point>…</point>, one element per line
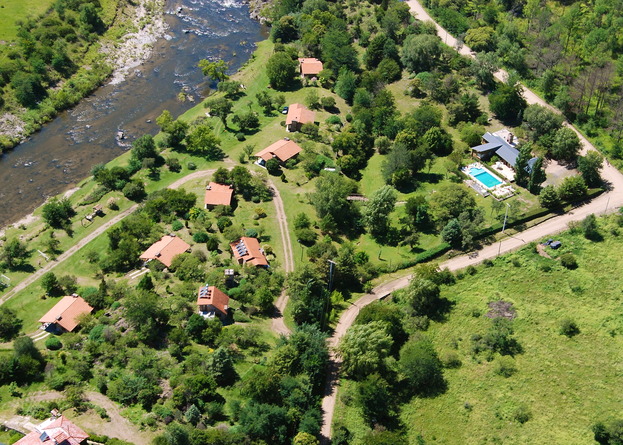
<point>522,413</point>
<point>191,166</point>
<point>569,328</point>
<point>134,191</point>
<point>568,261</point>
<point>334,120</point>
<point>223,222</point>
<point>177,225</point>
<point>327,102</point>
<point>451,360</point>
<point>201,237</point>
<point>240,136</point>
<point>173,164</point>
<point>53,343</point>
<point>505,367</point>
<point>251,233</point>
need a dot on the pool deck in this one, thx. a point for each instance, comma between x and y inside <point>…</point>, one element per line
<point>467,170</point>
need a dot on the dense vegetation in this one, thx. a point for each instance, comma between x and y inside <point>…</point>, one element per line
<point>45,71</point>
<point>569,51</point>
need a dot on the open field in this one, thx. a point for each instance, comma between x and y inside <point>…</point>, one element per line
<point>15,10</point>
<point>566,384</point>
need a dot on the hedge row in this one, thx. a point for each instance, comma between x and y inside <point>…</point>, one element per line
<point>422,257</point>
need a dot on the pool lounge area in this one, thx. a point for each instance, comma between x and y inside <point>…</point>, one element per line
<point>487,183</point>
<point>483,176</point>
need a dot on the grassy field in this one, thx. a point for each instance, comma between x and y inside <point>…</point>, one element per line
<point>12,11</point>
<point>566,384</point>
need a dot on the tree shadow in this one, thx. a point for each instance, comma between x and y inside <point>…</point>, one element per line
<point>430,178</point>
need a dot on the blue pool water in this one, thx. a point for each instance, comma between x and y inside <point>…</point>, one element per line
<point>483,176</point>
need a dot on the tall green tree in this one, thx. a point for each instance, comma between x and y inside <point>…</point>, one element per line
<point>202,141</point>
<point>214,70</point>
<point>589,167</point>
<point>220,107</point>
<point>507,102</point>
<point>421,52</point>
<point>376,211</point>
<point>420,366</point>
<point>14,253</point>
<point>364,349</point>
<point>281,70</point>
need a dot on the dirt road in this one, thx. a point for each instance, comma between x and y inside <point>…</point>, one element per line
<point>606,202</point>
<point>118,426</point>
<point>278,325</point>
<point>91,236</point>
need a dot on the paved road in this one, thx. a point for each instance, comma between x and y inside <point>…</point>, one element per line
<point>606,202</point>
<point>90,237</point>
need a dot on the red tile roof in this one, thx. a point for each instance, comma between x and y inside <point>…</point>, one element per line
<point>247,250</point>
<point>213,298</point>
<point>166,249</point>
<point>53,432</point>
<point>65,313</point>
<point>218,194</point>
<point>310,66</point>
<point>282,149</point>
<point>299,113</point>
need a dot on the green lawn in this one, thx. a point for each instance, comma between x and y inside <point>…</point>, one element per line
<point>13,10</point>
<point>567,384</point>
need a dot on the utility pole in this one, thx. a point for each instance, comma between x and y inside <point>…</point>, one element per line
<point>328,297</point>
<point>503,227</point>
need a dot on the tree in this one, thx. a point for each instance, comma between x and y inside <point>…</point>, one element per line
<point>247,120</point>
<point>58,213</point>
<point>376,211</point>
<point>214,70</point>
<point>202,141</point>
<point>134,190</point>
<point>330,198</point>
<point>507,102</point>
<point>420,366</point>
<point>50,284</point>
<point>346,85</point>
<point>220,107</point>
<point>374,397</point>
<point>281,70</point>
<point>303,438</point>
<point>589,167</point>
<point>450,201</point>
<point>566,145</point>
<point>548,197</point>
<point>452,233</point>
<point>265,422</point>
<point>421,52</point>
<point>28,88</point>
<point>265,101</point>
<point>364,348</point>
<point>480,39</point>
<point>10,325</point>
<point>572,188</point>
<point>14,253</point>
<point>312,100</point>
<point>537,176</point>
<point>438,141</point>
<point>522,171</point>
<point>609,433</point>
<point>422,295</point>
<point>540,121</point>
<point>483,67</point>
<point>145,147</point>
<point>192,415</point>
<point>337,51</point>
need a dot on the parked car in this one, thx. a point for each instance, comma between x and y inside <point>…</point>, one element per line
<point>285,110</point>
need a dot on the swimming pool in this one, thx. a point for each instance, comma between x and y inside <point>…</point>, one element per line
<point>484,177</point>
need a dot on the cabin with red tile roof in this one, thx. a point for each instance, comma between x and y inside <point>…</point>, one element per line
<point>166,249</point>
<point>309,67</point>
<point>63,317</point>
<point>248,250</point>
<point>218,195</point>
<point>281,150</point>
<point>297,116</point>
<point>212,302</point>
<point>55,431</point>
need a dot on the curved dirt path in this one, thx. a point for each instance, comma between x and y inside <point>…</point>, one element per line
<point>278,324</point>
<point>91,236</point>
<point>606,202</point>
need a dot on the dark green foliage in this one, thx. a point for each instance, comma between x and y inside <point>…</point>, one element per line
<point>10,325</point>
<point>572,188</point>
<point>346,85</point>
<point>53,343</point>
<point>14,253</point>
<point>421,52</point>
<point>565,145</point>
<point>330,199</point>
<point>609,433</point>
<point>165,202</point>
<point>421,367</point>
<point>392,316</point>
<point>568,261</point>
<point>134,190</point>
<point>374,397</point>
<point>220,107</point>
<point>590,230</point>
<point>58,213</point>
<point>202,141</point>
<point>364,349</point>
<point>247,121</point>
<point>589,167</point>
<point>265,422</point>
<point>499,339</point>
<point>337,51</point>
<point>506,102</point>
<point>281,70</point>
<point>273,167</point>
<point>548,197</point>
<point>28,88</point>
<point>144,147</point>
<point>200,237</point>
<point>569,328</point>
<point>26,364</point>
<point>188,267</point>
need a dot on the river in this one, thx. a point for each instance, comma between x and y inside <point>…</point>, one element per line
<point>63,152</point>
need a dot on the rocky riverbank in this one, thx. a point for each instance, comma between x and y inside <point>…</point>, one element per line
<point>255,9</point>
